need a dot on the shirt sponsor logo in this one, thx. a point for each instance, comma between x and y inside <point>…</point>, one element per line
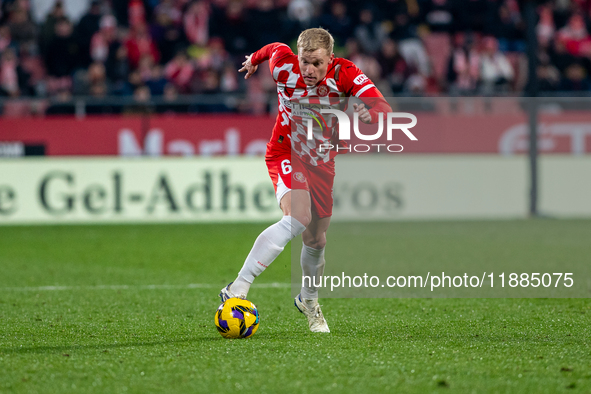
<point>286,103</point>
<point>361,79</point>
<point>306,110</point>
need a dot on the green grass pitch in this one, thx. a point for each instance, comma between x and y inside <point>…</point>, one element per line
<point>78,313</point>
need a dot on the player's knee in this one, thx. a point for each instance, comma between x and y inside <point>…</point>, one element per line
<point>320,244</point>
<point>303,218</point>
<point>315,241</point>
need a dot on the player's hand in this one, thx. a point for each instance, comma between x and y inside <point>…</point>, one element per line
<point>364,114</point>
<point>248,67</point>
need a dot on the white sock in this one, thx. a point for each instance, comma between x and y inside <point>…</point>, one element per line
<point>312,261</point>
<point>266,248</point>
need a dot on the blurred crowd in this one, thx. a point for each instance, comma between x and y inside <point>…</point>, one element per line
<point>145,48</point>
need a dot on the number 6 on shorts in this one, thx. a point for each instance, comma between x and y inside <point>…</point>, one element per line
<point>286,166</point>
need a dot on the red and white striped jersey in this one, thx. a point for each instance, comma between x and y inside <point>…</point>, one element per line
<point>343,79</point>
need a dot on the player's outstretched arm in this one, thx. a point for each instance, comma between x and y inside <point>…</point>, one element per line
<point>274,53</point>
<point>248,67</point>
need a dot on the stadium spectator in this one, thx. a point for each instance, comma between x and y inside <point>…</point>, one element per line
<point>30,70</point>
<point>142,94</point>
<point>463,70</point>
<point>268,21</point>
<point>575,79</point>
<point>87,26</point>
<point>496,73</point>
<point>233,27</point>
<point>228,79</point>
<point>91,82</point>
<point>416,84</point>
<point>369,33</point>
<point>218,33</point>
<point>365,63</point>
<point>141,102</point>
<point>140,44</point>
<point>215,56</point>
<point>545,29</point>
<point>180,72</point>
<point>157,81</point>
<point>575,37</point>
<point>22,29</point>
<point>5,38</point>
<point>300,16</point>
<point>9,74</point>
<point>47,31</point>
<point>171,9</point>
<point>209,82</point>
<point>388,9</point>
<point>170,101</point>
<point>166,31</point>
<point>134,80</point>
<point>62,52</point>
<point>117,67</point>
<point>506,24</point>
<point>410,45</point>
<point>145,67</point>
<point>560,56</point>
<point>171,94</point>
<point>548,75</point>
<point>440,15</point>
<point>402,28</point>
<point>102,41</point>
<point>99,90</point>
<point>62,101</point>
<point>337,22</point>
<point>196,23</point>
<point>136,13</point>
<point>394,68</point>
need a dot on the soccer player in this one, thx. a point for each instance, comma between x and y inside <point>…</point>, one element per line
<point>303,180</point>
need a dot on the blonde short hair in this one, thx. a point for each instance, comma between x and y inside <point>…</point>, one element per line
<point>316,38</point>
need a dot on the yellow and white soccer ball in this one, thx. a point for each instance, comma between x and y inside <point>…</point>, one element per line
<point>237,318</point>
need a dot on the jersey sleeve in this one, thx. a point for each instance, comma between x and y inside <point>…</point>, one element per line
<point>352,80</point>
<point>275,53</point>
<point>355,83</point>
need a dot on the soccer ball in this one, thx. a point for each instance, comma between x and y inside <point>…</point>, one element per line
<point>237,318</point>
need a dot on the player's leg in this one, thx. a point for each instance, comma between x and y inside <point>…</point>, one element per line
<point>312,262</point>
<point>271,242</point>
<point>314,237</point>
<point>312,257</point>
<point>314,241</point>
<point>268,245</point>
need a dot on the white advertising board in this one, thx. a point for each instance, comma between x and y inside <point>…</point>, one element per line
<point>61,190</point>
<point>367,187</point>
<point>385,187</point>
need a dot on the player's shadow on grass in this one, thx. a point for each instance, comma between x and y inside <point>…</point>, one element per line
<point>65,348</point>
